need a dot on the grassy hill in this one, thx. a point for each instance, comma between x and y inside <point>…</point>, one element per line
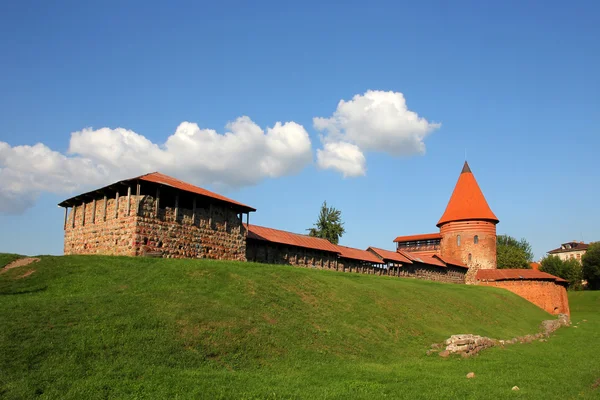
<point>114,327</point>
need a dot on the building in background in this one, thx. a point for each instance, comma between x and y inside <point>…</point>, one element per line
<point>570,250</point>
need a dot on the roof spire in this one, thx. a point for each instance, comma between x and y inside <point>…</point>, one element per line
<point>466,168</point>
<point>467,201</point>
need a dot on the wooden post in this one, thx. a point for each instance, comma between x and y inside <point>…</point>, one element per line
<point>157,201</point>
<point>94,211</point>
<point>83,214</point>
<point>65,223</point>
<point>194,211</point>
<point>128,200</point>
<point>176,206</point>
<point>104,208</point>
<point>73,219</point>
<point>117,205</point>
<point>138,190</point>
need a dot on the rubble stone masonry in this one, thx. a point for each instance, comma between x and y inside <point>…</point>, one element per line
<point>274,253</point>
<point>141,229</point>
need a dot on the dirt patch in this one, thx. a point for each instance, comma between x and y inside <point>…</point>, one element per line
<point>596,384</point>
<point>26,274</point>
<point>21,262</point>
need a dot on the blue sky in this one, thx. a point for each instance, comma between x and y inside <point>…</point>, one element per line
<point>513,84</point>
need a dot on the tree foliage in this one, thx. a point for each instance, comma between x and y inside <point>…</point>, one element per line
<point>329,224</point>
<point>570,270</point>
<point>591,266</point>
<point>513,253</point>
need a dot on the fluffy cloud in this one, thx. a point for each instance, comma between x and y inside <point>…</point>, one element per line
<point>374,121</point>
<point>344,157</point>
<point>244,155</point>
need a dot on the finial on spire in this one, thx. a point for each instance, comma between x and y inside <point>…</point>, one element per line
<point>466,168</point>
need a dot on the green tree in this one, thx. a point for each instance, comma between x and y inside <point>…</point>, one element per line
<point>570,270</point>
<point>591,266</point>
<point>329,224</point>
<point>552,265</point>
<point>513,253</point>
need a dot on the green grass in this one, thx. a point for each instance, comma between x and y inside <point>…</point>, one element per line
<point>114,327</point>
<point>8,258</point>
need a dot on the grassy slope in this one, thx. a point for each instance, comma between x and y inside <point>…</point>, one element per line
<point>110,327</point>
<point>8,258</point>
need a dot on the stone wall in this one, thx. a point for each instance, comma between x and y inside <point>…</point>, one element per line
<point>430,273</point>
<point>480,255</point>
<point>273,253</point>
<point>547,295</point>
<point>360,267</point>
<point>92,229</point>
<point>211,232</point>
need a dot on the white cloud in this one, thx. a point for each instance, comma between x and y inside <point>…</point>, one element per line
<point>244,155</point>
<point>344,157</point>
<point>374,121</point>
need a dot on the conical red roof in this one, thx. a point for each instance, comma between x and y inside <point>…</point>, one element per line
<point>467,201</point>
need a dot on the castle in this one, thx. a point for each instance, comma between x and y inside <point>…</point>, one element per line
<point>160,216</point>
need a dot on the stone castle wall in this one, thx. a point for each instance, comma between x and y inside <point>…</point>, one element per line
<point>480,255</point>
<point>272,253</point>
<point>94,229</point>
<point>547,295</point>
<point>430,273</point>
<point>212,232</point>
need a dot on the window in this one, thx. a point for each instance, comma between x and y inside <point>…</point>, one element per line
<point>476,239</point>
<point>470,257</point>
<point>458,240</point>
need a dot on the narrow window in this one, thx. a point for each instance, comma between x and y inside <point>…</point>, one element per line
<point>476,239</point>
<point>458,240</point>
<point>470,257</point>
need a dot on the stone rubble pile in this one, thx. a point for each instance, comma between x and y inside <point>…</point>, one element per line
<point>468,344</point>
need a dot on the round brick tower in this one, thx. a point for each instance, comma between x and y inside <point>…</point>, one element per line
<point>468,226</point>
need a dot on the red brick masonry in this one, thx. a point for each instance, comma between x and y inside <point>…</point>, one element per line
<point>544,290</point>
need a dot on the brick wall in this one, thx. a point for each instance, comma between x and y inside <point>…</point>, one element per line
<point>545,294</point>
<point>480,255</point>
<point>212,232</point>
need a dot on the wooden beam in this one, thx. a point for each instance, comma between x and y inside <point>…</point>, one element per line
<point>157,201</point>
<point>128,200</point>
<point>138,190</point>
<point>66,213</point>
<point>104,208</point>
<point>176,206</point>
<point>194,211</point>
<point>117,205</point>
<point>210,216</point>
<point>94,211</point>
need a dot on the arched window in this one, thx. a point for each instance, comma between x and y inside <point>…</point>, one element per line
<point>458,240</point>
<point>470,257</point>
<point>476,239</point>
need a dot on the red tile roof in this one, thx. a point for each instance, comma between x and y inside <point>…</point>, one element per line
<point>163,179</point>
<point>291,239</point>
<point>157,177</point>
<point>424,236</point>
<point>575,246</point>
<point>467,201</point>
<point>430,260</point>
<point>358,254</point>
<point>391,255</point>
<point>452,261</point>
<point>515,274</point>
